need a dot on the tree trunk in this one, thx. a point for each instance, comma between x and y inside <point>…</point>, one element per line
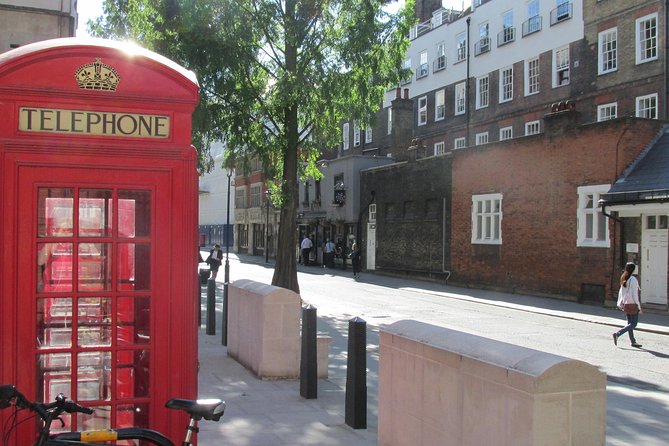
<point>285,271</point>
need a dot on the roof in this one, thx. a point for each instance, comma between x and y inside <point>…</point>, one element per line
<point>646,180</point>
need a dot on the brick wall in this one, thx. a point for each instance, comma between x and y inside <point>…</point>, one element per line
<point>538,177</point>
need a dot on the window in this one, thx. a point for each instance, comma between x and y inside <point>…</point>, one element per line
<point>646,38</point>
<point>256,192</point>
<point>646,106</point>
<point>439,148</point>
<point>487,219</point>
<point>356,134</point>
<point>607,111</point>
<point>306,193</point>
<point>562,12</point>
<point>593,227</point>
<point>461,46</point>
<point>423,68</point>
<point>407,67</point>
<point>532,128</point>
<point>506,84</point>
<point>372,212</point>
<point>345,136</point>
<point>561,67</point>
<point>368,135</point>
<point>482,92</point>
<point>481,138</point>
<point>459,143</point>
<point>505,133</point>
<point>608,51</point>
<point>483,45</point>
<point>317,191</point>
<point>439,105</point>
<point>422,110</point>
<point>440,61</point>
<point>533,22</point>
<point>240,197</point>
<point>508,33</point>
<point>390,120</point>
<point>460,98</point>
<point>532,76</point>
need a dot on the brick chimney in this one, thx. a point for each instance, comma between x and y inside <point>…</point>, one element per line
<point>425,8</point>
<point>402,125</point>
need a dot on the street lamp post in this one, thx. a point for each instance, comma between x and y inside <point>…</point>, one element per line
<point>267,227</point>
<point>224,338</point>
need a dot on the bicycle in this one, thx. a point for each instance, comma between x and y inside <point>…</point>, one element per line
<point>210,410</point>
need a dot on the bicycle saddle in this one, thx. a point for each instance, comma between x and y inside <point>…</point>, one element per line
<point>210,409</point>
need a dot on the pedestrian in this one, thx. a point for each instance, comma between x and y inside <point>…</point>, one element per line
<point>628,301</point>
<point>355,260</point>
<point>214,260</point>
<point>329,252</point>
<point>306,246</point>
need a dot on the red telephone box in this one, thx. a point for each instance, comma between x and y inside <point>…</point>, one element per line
<point>98,230</point>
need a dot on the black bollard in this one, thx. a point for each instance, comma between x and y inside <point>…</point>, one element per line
<point>308,360</point>
<point>356,375</point>
<point>224,322</point>
<point>211,307</point>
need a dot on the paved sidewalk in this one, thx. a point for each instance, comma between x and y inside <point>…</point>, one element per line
<point>264,413</point>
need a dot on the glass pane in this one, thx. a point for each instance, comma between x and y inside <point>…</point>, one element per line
<point>134,213</point>
<point>54,322</point>
<point>54,267</point>
<point>134,266</point>
<point>54,212</point>
<point>651,222</point>
<point>132,415</point>
<point>53,375</point>
<point>94,269</point>
<point>588,226</point>
<point>132,374</point>
<point>601,227</point>
<point>94,376</point>
<point>94,327</point>
<point>496,227</point>
<point>488,221</point>
<point>589,202</point>
<point>133,318</point>
<point>100,419</point>
<point>487,206</point>
<point>662,222</point>
<point>94,212</point>
<point>479,227</point>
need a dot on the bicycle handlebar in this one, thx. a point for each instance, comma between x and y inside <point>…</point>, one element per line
<point>9,395</point>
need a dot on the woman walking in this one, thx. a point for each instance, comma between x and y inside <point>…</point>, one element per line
<point>628,301</point>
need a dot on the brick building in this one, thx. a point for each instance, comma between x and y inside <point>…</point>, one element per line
<point>28,21</point>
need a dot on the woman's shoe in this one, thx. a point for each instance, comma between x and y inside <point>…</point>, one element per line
<point>615,339</point>
<point>635,345</point>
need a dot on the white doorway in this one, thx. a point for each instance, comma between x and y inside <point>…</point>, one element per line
<point>654,246</point>
<point>371,246</point>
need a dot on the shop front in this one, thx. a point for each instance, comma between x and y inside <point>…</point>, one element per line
<point>98,222</point>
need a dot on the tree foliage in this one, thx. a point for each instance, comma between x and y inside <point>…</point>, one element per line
<point>276,78</point>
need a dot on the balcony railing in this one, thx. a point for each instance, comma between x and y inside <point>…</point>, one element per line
<point>532,25</point>
<point>561,13</point>
<point>507,35</point>
<point>482,46</point>
<point>439,64</point>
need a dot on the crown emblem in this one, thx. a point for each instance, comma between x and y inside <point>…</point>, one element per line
<point>97,76</point>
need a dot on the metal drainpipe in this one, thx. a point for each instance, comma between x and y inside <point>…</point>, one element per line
<point>443,243</point>
<point>622,231</point>
<point>666,62</point>
<point>469,19</point>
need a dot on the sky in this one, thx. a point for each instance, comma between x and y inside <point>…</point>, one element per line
<point>89,9</point>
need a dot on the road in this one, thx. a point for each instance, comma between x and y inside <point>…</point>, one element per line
<point>638,389</point>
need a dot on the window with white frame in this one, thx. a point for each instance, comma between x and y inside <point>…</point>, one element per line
<point>532,76</point>
<point>481,138</point>
<point>439,105</point>
<point>505,133</point>
<point>607,111</point>
<point>256,192</point>
<point>356,134</point>
<point>533,17</point>
<point>345,136</point>
<point>646,106</point>
<point>593,227</point>
<point>423,68</point>
<point>422,110</point>
<point>372,212</point>
<point>608,51</point>
<point>487,219</point>
<point>459,143</point>
<point>561,66</point>
<point>483,45</point>
<point>407,67</point>
<point>390,120</point>
<point>508,31</point>
<point>440,61</point>
<point>532,128</point>
<point>439,148</point>
<point>461,46</point>
<point>646,38</point>
<point>506,84</point>
<point>368,135</point>
<point>482,91</point>
<point>460,98</point>
<point>240,197</point>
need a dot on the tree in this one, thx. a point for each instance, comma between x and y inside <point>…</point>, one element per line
<point>277,77</point>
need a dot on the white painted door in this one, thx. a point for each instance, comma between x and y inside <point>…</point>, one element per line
<point>371,246</point>
<point>654,265</point>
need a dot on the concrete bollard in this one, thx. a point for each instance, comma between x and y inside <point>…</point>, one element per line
<point>308,358</point>
<point>211,307</point>
<point>356,375</point>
